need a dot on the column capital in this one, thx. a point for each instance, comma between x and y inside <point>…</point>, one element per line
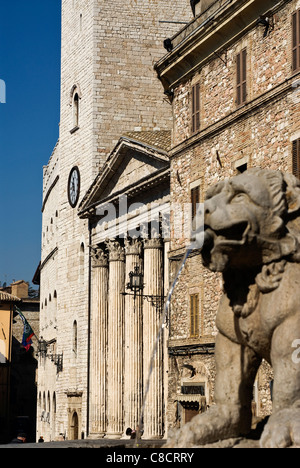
<point>153,243</point>
<point>99,258</point>
<point>133,247</point>
<point>116,251</point>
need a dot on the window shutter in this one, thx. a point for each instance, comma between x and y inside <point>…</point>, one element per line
<point>244,75</point>
<point>296,40</point>
<point>294,34</point>
<point>195,200</point>
<point>296,158</point>
<point>241,76</point>
<point>196,108</point>
<point>194,314</point>
<point>238,77</point>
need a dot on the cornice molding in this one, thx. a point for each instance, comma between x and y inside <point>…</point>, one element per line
<point>201,40</point>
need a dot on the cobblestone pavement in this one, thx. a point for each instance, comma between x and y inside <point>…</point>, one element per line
<point>87,443</point>
<point>120,445</point>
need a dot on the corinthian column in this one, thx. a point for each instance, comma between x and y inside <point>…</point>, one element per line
<point>99,344</point>
<point>116,339</point>
<point>153,279</point>
<point>133,341</point>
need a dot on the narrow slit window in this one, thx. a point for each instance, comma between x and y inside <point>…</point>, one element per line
<point>75,338</point>
<point>76,111</point>
<point>195,200</point>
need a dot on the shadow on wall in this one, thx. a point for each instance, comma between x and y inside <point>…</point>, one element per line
<point>23,392</point>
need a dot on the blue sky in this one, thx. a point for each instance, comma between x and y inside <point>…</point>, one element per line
<point>29,126</point>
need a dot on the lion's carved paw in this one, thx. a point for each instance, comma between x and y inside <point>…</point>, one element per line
<point>283,429</point>
<point>216,424</point>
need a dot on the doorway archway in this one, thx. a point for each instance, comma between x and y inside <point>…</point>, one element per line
<point>74,427</point>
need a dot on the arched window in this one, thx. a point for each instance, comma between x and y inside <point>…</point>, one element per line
<point>48,402</point>
<point>81,263</point>
<point>75,97</point>
<point>39,405</point>
<point>53,416</point>
<point>75,338</point>
<point>76,111</point>
<point>54,403</point>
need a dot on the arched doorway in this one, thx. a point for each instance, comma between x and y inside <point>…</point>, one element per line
<point>74,415</point>
<point>74,427</point>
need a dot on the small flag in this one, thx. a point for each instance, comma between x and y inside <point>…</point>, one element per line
<point>27,333</point>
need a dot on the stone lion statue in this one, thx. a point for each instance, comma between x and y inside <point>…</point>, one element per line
<point>252,236</point>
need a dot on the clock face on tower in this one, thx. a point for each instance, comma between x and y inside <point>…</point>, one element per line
<point>74,186</point>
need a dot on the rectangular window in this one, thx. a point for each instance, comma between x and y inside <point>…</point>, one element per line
<point>296,40</point>
<point>195,200</point>
<point>196,389</point>
<point>194,314</point>
<point>241,74</point>
<point>196,108</point>
<point>296,158</point>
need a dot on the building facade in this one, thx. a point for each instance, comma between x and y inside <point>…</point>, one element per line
<point>7,302</point>
<point>128,208</point>
<point>23,391</point>
<point>234,75</point>
<point>21,404</point>
<point>108,87</point>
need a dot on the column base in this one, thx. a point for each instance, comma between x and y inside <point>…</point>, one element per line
<point>96,435</point>
<point>113,435</point>
<point>150,437</point>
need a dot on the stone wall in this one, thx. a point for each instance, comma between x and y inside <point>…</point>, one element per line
<point>128,41</point>
<point>260,133</point>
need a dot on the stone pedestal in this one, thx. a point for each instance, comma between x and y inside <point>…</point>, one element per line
<point>153,279</point>
<point>99,344</point>
<point>115,358</point>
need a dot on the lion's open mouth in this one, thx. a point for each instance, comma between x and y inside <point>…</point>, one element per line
<point>219,243</point>
<point>233,234</point>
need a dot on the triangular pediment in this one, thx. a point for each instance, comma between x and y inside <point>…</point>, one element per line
<point>130,169</point>
<point>129,164</point>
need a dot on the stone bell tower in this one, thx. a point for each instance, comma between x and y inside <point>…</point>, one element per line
<point>108,87</point>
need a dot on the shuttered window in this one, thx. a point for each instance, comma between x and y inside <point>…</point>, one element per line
<point>196,108</point>
<point>296,158</point>
<point>194,314</point>
<point>296,40</point>
<point>241,72</point>
<point>195,200</point>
